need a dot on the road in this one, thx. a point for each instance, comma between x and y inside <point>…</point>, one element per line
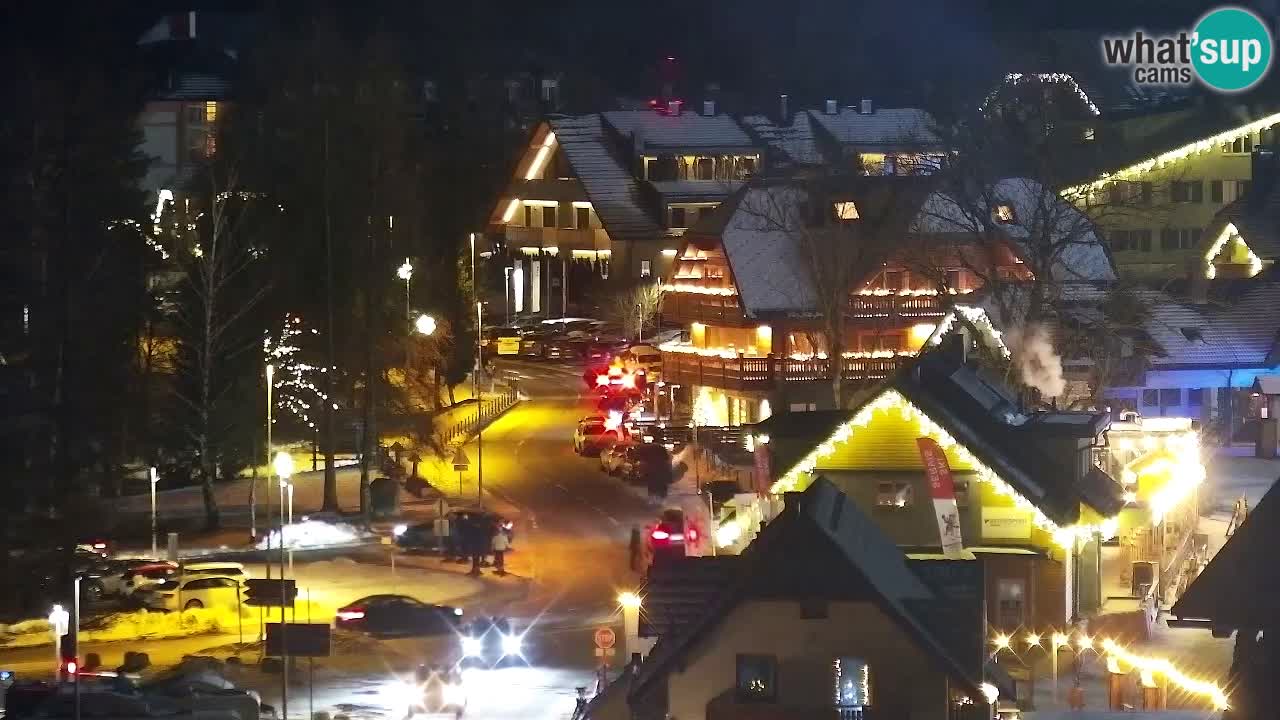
<point>570,561</point>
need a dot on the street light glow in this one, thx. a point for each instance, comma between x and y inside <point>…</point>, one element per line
<point>1001,642</point>
<point>283,465</point>
<point>405,271</point>
<point>425,325</point>
<point>629,600</point>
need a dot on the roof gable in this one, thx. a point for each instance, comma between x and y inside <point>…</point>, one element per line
<point>822,542</point>
<point>980,420</point>
<point>614,193</point>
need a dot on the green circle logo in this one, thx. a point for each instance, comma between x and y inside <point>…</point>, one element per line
<point>1231,49</point>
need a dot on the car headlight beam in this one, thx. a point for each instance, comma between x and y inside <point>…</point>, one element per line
<point>512,645</point>
<point>472,646</point>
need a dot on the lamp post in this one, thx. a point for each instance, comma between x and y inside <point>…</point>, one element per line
<point>253,520</point>
<point>155,478</point>
<point>639,323</point>
<point>283,465</point>
<point>405,273</point>
<point>506,291</point>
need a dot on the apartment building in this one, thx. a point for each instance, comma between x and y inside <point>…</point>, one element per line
<point>615,190</point>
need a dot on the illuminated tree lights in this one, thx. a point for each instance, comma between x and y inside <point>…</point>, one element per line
<point>294,388</point>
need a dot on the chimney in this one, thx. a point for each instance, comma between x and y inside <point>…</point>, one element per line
<point>673,107</point>
<point>867,107</point>
<point>782,108</point>
<point>832,107</point>
<point>955,347</point>
<point>709,108</point>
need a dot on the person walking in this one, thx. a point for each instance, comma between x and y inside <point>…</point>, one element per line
<point>501,543</point>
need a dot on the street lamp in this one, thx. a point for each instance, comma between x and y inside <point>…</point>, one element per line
<point>506,290</point>
<point>639,323</point>
<point>283,464</point>
<point>253,521</point>
<point>155,478</point>
<point>425,325</point>
<point>405,273</point>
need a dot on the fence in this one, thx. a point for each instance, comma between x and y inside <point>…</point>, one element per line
<point>487,409</point>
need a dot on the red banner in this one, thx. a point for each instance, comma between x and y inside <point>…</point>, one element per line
<point>941,487</point>
<point>943,491</point>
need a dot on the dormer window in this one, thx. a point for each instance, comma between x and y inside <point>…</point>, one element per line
<point>1003,214</point>
<point>845,210</point>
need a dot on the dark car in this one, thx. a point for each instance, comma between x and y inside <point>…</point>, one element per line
<point>647,463</point>
<point>668,537</point>
<point>533,345</point>
<point>422,536</point>
<point>397,615</point>
<point>561,347</point>
<point>491,642</point>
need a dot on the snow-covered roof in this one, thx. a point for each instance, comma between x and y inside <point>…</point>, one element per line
<point>1082,255</point>
<point>795,142</point>
<point>885,127</point>
<point>1238,333</point>
<point>686,130</point>
<point>766,261</point>
<point>614,193</point>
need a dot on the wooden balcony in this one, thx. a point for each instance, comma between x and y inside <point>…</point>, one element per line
<point>894,306</point>
<point>683,308</point>
<point>565,239</point>
<point>762,373</point>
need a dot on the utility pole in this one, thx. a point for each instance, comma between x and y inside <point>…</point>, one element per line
<point>475,380</point>
<point>564,287</point>
<point>270,466</point>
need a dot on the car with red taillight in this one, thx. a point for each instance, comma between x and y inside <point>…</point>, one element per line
<point>397,615</point>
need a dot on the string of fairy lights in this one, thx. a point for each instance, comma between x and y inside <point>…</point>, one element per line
<point>294,384</point>
<point>1118,656</point>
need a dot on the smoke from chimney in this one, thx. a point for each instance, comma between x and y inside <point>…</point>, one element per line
<point>1033,355</point>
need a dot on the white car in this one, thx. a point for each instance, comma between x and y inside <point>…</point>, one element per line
<point>140,578</point>
<point>221,569</point>
<point>188,593</point>
<point>111,582</point>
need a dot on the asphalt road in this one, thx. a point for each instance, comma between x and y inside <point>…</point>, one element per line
<point>574,524</point>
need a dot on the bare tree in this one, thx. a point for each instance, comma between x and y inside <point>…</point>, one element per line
<point>635,308</point>
<point>837,232</point>
<point>217,256</point>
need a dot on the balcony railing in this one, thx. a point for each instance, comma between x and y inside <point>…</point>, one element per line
<point>761,373</point>
<point>868,306</point>
<point>683,308</point>
<point>565,239</point>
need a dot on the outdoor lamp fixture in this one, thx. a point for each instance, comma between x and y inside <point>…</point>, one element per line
<point>425,325</point>
<point>1059,640</point>
<point>405,271</point>
<point>629,600</point>
<point>283,464</point>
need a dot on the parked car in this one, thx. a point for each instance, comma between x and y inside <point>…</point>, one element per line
<point>533,344</point>
<point>221,569</point>
<point>593,436</point>
<point>422,537</point>
<point>188,593</point>
<point>611,457</point>
<point>142,576</point>
<point>397,615</point>
<point>561,347</point>
<point>109,580</point>
<point>644,462</point>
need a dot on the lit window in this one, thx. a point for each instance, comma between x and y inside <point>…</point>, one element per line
<point>1010,602</point>
<point>1003,214</point>
<point>211,112</point>
<point>646,268</point>
<point>894,494</point>
<point>757,678</point>
<point>1088,133</point>
<point>846,210</point>
<point>853,682</point>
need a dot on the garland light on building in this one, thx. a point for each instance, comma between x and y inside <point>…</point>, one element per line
<point>889,400</point>
<point>1176,154</point>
